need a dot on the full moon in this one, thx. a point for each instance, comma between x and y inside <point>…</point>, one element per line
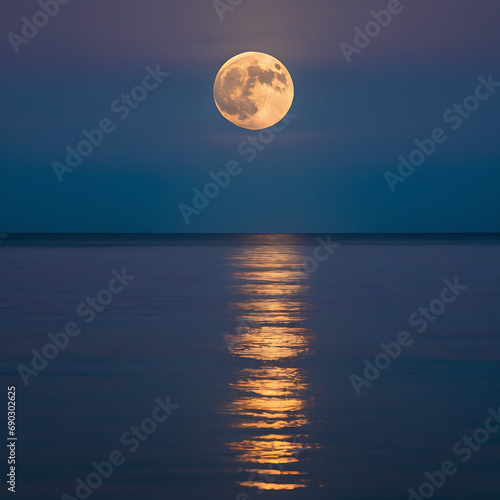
<point>253,90</point>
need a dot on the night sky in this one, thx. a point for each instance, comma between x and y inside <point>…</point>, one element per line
<point>332,168</point>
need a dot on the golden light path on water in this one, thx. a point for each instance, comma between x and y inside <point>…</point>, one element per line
<point>270,396</point>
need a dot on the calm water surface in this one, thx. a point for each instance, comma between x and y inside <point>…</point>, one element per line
<point>258,353</point>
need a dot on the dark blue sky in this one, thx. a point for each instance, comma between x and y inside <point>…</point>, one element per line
<point>323,173</point>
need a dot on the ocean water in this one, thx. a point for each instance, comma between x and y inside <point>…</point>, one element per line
<point>255,340</point>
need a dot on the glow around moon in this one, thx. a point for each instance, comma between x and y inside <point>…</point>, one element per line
<point>253,90</point>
